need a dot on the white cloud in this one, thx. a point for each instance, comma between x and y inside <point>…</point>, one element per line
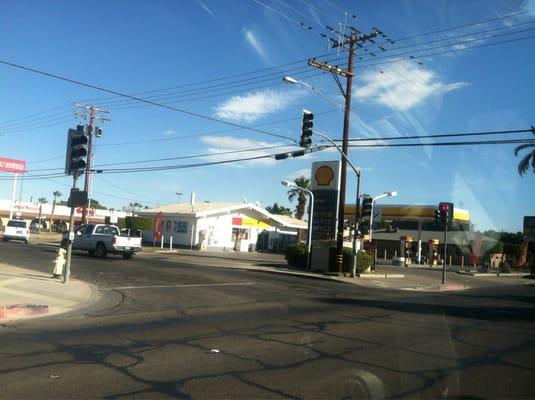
<point>296,174</point>
<point>169,132</point>
<point>529,6</point>
<point>252,106</point>
<point>222,144</point>
<point>253,41</point>
<point>403,86</point>
<point>205,8</point>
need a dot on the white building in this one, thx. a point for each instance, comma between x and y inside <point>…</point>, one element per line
<point>29,211</point>
<point>223,226</point>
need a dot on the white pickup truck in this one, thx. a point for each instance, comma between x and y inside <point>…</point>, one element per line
<point>100,240</point>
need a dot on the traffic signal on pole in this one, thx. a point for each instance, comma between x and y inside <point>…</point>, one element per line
<point>306,129</point>
<point>444,214</point>
<point>75,160</point>
<point>437,216</point>
<point>366,212</point>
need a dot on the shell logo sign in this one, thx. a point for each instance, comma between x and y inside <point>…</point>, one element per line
<point>324,175</point>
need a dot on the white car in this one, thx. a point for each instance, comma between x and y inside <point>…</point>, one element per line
<point>17,229</point>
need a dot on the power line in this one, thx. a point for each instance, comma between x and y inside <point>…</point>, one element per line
<point>461,26</point>
<point>463,42</point>
<point>191,113</point>
<point>218,132</point>
<point>450,51</point>
<point>444,135</point>
<point>475,142</point>
<point>173,158</point>
<point>469,34</point>
<point>33,126</point>
<point>115,186</point>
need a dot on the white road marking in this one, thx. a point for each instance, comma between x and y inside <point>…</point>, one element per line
<point>183,286</point>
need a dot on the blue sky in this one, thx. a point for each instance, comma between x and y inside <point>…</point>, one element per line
<point>138,47</point>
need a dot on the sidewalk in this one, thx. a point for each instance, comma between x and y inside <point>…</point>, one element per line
<point>28,293</point>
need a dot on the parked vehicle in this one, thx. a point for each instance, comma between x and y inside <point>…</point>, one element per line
<point>100,240</point>
<point>17,229</point>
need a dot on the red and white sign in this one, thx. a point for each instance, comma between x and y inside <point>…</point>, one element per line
<point>90,211</point>
<point>9,165</point>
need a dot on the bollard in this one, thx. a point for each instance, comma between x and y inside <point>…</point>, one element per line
<point>462,262</point>
<point>395,253</point>
<point>450,260</point>
<point>171,243</point>
<point>385,255</point>
<point>161,243</point>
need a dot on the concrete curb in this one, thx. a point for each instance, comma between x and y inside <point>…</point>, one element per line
<point>26,310</point>
<point>386,275</point>
<point>492,274</point>
<point>448,287</point>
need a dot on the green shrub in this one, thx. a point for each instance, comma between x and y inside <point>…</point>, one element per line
<point>364,260</point>
<point>296,255</point>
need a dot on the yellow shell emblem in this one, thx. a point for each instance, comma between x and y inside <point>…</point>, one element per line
<point>324,175</point>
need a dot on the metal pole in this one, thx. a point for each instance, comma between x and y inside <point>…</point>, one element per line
<point>444,256</point>
<point>356,229</point>
<point>89,159</point>
<point>67,270</point>
<point>371,222</point>
<point>341,202</point>
<point>309,241</point>
<point>13,195</point>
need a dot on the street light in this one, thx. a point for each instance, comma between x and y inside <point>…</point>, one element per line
<point>374,199</point>
<point>293,81</point>
<point>178,196</point>
<point>345,160</point>
<point>310,214</point>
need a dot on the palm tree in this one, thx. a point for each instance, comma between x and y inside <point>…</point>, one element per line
<point>56,194</point>
<point>300,195</point>
<point>133,207</point>
<point>42,200</point>
<point>278,209</point>
<point>523,165</point>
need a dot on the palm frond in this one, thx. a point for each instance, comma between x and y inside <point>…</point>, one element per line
<point>522,147</point>
<point>523,165</point>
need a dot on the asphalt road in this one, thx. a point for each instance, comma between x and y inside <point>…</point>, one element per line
<point>180,327</point>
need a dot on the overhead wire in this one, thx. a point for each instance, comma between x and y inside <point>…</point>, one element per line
<point>102,89</point>
<point>299,61</point>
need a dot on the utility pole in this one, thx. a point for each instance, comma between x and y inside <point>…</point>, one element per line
<point>352,40</point>
<point>91,131</point>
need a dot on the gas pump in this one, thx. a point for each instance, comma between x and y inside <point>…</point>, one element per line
<point>405,249</point>
<point>433,251</point>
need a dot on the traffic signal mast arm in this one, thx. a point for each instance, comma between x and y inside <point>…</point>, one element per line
<point>355,169</point>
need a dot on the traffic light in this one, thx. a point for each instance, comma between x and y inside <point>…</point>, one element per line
<point>76,151</point>
<point>437,216</point>
<point>446,213</point>
<point>306,129</point>
<point>366,211</point>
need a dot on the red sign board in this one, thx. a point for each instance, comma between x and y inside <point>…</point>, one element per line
<point>9,165</point>
<point>236,221</point>
<point>158,227</point>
